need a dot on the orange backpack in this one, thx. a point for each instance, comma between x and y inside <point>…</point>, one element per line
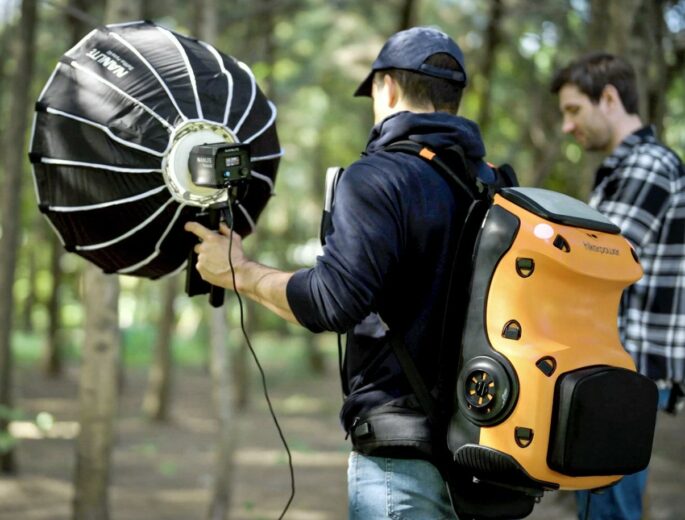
<point>540,391</point>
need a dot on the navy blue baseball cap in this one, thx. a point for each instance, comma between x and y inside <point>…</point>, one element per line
<point>409,50</point>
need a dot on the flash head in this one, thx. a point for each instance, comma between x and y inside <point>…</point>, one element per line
<point>218,165</point>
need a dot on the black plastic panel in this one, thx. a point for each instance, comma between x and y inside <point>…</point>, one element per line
<point>559,208</point>
<point>603,422</point>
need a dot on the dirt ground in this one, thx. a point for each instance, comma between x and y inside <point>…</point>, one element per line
<point>165,472</point>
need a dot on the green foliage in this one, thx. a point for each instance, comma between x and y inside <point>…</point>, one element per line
<point>11,414</point>
<point>7,440</point>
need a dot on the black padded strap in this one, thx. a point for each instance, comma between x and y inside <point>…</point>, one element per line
<point>426,400</point>
<point>463,181</point>
<point>466,182</point>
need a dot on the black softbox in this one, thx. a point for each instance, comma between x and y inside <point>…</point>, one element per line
<point>113,129</point>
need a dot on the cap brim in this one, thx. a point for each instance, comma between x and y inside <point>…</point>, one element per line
<point>365,88</point>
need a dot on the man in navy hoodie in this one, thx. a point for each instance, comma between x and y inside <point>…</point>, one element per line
<point>384,271</point>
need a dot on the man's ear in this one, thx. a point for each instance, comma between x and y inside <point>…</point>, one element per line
<point>611,98</point>
<point>394,93</point>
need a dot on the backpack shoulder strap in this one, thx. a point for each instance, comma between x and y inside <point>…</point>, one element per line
<point>469,183</point>
<point>463,180</point>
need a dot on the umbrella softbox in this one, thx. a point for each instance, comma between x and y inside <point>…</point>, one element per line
<point>114,127</point>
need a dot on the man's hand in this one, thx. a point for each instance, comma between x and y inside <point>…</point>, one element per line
<point>212,254</point>
<point>263,284</point>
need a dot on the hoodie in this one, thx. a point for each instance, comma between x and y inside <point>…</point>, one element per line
<point>385,264</point>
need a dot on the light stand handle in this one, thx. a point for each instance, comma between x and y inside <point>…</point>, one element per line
<point>194,283</point>
<point>216,293</point>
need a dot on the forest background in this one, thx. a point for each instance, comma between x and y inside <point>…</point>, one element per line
<point>102,336</point>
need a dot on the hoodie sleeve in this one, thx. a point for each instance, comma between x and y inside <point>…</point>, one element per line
<point>360,255</point>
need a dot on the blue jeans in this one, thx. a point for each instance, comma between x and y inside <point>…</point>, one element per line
<point>382,488</point>
<point>624,500</point>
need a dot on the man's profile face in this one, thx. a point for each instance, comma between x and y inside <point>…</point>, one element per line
<point>583,119</point>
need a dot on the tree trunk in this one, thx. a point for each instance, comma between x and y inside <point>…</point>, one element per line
<point>52,361</point>
<point>492,42</point>
<point>8,35</point>
<point>408,14</point>
<point>647,52</point>
<point>223,402</point>
<point>30,300</point>
<point>123,10</point>
<point>638,33</point>
<point>157,397</point>
<point>14,161</point>
<point>98,396</point>
<point>241,376</point>
<point>632,29</point>
<point>220,360</point>
<point>611,24</point>
<point>99,373</point>
<point>76,20</point>
<point>315,359</point>
<point>240,366</point>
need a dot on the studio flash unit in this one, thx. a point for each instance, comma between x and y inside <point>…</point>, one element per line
<point>219,165</point>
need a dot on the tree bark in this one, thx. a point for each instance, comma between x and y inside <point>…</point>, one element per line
<point>9,34</point>
<point>220,359</point>
<point>52,363</point>
<point>76,19</point>
<point>14,160</point>
<point>98,396</point>
<point>123,10</point>
<point>156,403</point>
<point>240,360</point>
<point>492,42</point>
<point>408,14</point>
<point>633,29</point>
<point>30,300</point>
<point>99,384</point>
<point>647,52</point>
<point>223,403</point>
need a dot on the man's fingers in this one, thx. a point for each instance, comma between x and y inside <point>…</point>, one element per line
<point>224,229</point>
<point>198,230</point>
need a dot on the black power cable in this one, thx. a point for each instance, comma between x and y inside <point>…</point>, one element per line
<point>228,217</point>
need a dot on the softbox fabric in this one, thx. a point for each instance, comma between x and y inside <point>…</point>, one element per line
<point>106,125</point>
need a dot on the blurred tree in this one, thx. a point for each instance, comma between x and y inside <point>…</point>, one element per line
<point>408,14</point>
<point>7,36</point>
<point>222,392</point>
<point>493,39</point>
<point>156,403</point>
<point>52,358</point>
<point>611,24</point>
<point>30,300</point>
<point>14,162</point>
<point>636,30</point>
<point>98,397</point>
<point>207,25</point>
<point>78,18</point>
<point>98,389</point>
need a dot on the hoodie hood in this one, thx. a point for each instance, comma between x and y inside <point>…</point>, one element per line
<point>433,129</point>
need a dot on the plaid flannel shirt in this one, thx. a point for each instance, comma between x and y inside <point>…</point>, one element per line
<point>641,188</point>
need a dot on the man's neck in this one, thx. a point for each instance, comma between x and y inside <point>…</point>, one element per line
<point>625,126</point>
<point>403,106</point>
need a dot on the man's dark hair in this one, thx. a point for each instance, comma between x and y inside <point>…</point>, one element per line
<point>592,72</point>
<point>420,89</point>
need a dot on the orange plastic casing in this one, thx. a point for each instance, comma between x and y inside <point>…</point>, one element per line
<point>567,309</point>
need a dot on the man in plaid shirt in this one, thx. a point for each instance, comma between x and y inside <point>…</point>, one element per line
<point>640,186</point>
